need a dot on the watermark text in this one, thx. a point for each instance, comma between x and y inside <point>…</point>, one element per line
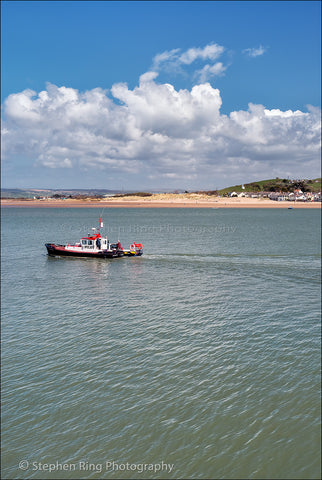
<point>86,466</point>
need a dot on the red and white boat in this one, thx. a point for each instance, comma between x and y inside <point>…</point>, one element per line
<point>94,246</point>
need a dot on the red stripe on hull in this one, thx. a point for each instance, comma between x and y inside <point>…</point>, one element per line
<point>61,251</point>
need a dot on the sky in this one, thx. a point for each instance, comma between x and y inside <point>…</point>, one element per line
<point>152,95</point>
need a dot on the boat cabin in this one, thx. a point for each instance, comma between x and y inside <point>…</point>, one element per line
<point>95,242</point>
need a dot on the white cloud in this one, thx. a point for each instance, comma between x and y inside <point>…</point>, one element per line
<point>148,77</point>
<point>176,61</point>
<point>209,71</point>
<point>164,57</point>
<point>158,132</point>
<point>255,52</point>
<point>209,52</point>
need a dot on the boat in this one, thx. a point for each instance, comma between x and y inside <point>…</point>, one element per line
<point>94,246</point>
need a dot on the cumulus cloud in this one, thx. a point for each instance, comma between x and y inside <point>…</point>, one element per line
<point>158,132</point>
<point>255,52</point>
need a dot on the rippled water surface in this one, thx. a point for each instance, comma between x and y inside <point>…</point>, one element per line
<point>200,359</point>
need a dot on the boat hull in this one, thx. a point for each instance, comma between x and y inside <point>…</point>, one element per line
<point>61,250</point>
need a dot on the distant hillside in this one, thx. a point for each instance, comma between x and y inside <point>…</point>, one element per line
<point>30,193</point>
<point>272,185</point>
<point>276,185</point>
<point>73,193</point>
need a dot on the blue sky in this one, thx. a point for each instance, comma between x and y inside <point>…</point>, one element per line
<point>159,94</point>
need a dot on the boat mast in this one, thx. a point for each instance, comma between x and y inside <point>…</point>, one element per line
<point>100,226</point>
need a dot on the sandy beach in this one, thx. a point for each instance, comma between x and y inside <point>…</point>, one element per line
<point>160,201</point>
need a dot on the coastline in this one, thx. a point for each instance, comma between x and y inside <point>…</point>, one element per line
<point>159,201</point>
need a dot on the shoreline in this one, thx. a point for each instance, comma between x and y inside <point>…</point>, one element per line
<point>159,203</point>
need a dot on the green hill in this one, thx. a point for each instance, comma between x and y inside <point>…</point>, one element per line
<point>276,185</point>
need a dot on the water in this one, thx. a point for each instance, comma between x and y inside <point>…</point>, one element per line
<point>199,360</point>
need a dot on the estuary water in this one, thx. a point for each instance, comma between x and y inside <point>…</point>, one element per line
<point>198,360</point>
